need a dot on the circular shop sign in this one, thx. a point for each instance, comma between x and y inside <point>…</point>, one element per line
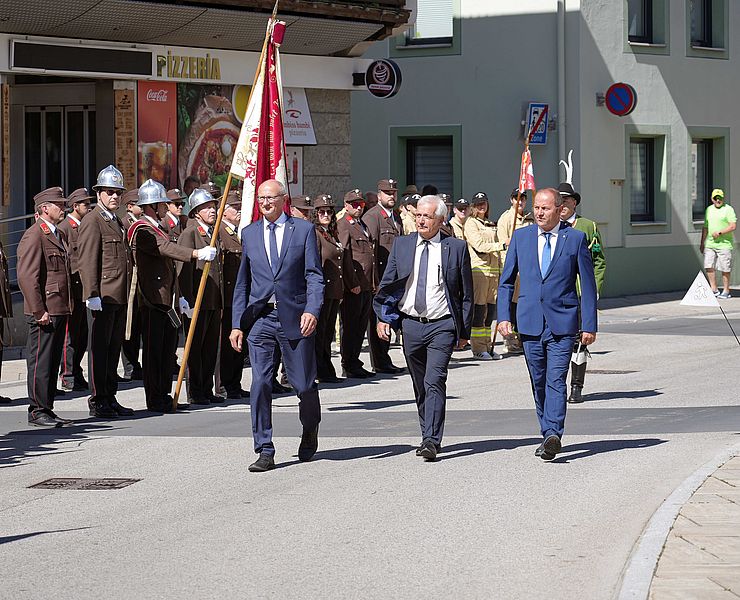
<point>621,99</point>
<point>383,78</point>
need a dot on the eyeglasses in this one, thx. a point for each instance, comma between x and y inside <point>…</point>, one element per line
<point>270,199</point>
<point>178,204</point>
<point>111,191</point>
<point>717,199</point>
<point>325,211</point>
<point>357,204</point>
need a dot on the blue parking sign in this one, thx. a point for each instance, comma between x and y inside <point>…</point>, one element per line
<point>537,119</point>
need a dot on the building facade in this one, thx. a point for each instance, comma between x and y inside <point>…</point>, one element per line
<point>471,68</point>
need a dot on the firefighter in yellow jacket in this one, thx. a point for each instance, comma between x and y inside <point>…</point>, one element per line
<point>485,249</point>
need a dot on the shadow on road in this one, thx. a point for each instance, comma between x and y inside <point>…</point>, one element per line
<point>463,449</point>
<point>14,538</point>
<point>632,394</point>
<point>370,405</point>
<point>372,452</point>
<point>587,449</point>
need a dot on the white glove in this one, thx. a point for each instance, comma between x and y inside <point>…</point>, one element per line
<point>185,308</point>
<point>208,253</point>
<point>94,303</point>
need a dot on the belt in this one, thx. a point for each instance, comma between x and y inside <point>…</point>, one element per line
<point>270,306</point>
<point>424,319</point>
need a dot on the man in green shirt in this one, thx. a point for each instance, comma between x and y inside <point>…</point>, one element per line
<point>571,199</point>
<point>717,243</point>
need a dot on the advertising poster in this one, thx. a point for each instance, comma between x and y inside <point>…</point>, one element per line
<point>294,161</point>
<point>157,131</point>
<point>207,131</point>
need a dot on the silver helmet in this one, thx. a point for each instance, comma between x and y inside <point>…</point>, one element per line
<point>198,197</point>
<point>151,192</point>
<point>110,177</point>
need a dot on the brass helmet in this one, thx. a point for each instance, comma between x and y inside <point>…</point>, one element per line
<point>151,192</point>
<point>110,177</point>
<point>198,197</point>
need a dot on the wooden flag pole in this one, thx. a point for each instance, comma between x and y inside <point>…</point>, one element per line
<point>214,239</point>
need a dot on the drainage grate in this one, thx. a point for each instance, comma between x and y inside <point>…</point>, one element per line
<point>609,372</point>
<point>81,483</point>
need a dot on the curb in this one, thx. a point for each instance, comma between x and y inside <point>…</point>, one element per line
<point>638,575</point>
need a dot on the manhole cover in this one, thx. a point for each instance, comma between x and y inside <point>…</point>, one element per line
<point>609,372</point>
<point>81,483</point>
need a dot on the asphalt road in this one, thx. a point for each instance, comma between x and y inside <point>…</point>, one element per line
<point>367,518</point>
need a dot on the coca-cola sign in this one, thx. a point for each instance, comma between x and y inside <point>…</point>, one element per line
<point>156,95</point>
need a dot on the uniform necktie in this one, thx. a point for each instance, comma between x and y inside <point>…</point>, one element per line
<point>420,299</point>
<point>546,254</point>
<point>273,248</point>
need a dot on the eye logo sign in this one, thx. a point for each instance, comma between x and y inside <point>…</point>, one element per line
<point>293,113</point>
<point>383,78</point>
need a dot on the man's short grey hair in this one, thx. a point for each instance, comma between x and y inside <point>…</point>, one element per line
<point>440,208</point>
<point>555,193</point>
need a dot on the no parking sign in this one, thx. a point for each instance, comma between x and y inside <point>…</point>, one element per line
<point>620,99</point>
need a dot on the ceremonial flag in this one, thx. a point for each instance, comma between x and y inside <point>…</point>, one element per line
<point>700,293</point>
<point>526,172</point>
<point>260,151</point>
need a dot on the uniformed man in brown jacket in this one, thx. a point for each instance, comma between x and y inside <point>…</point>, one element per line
<point>106,266</point>
<point>156,277</point>
<point>6,309</point>
<point>384,227</point>
<point>174,222</point>
<point>131,346</point>
<point>202,358</point>
<point>75,338</point>
<point>45,279</point>
<point>231,362</point>
<point>355,308</point>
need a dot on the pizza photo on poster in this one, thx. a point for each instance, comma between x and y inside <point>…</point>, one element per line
<point>207,132</point>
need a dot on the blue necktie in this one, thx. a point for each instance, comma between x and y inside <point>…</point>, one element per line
<point>420,299</point>
<point>546,254</point>
<point>274,257</point>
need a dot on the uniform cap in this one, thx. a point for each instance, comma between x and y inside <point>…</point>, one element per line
<point>151,192</point>
<point>211,188</point>
<point>480,198</point>
<point>718,193</point>
<point>176,195</point>
<point>130,197</point>
<point>303,203</point>
<point>354,196</point>
<point>412,199</point>
<point>199,197</point>
<point>410,189</point>
<point>446,198</point>
<point>52,194</point>
<point>110,177</point>
<point>462,203</point>
<point>566,189</point>
<point>387,185</point>
<point>234,199</point>
<point>323,201</point>
<point>78,196</point>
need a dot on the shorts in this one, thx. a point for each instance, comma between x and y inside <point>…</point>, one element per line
<point>720,260</point>
<point>485,288</point>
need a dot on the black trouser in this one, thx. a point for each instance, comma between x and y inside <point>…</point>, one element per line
<point>159,342</point>
<point>75,344</point>
<point>107,330</point>
<point>325,331</point>
<point>231,362</point>
<point>203,350</point>
<point>355,312</point>
<point>130,348</point>
<point>379,357</point>
<point>43,355</point>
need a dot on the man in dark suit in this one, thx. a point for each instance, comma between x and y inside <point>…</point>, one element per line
<point>548,259</point>
<point>277,300</point>
<point>427,291</point>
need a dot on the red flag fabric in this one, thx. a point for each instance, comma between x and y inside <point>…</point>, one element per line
<point>526,172</point>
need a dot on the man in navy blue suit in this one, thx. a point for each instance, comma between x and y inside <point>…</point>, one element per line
<point>427,291</point>
<point>549,258</point>
<point>277,299</point>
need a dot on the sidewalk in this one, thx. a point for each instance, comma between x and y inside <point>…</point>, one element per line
<point>701,557</point>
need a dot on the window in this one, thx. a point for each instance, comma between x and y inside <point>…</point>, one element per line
<point>642,179</point>
<point>433,23</point>
<point>430,162</point>
<point>701,23</point>
<point>702,168</point>
<point>640,20</point>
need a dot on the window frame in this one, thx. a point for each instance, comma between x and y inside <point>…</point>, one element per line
<point>649,216</point>
<point>709,171</point>
<point>413,142</point>
<point>707,33</point>
<point>403,46</point>
<point>647,7</point>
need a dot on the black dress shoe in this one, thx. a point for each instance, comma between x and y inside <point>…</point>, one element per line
<point>121,411</point>
<point>237,394</point>
<point>541,451</point>
<point>5,400</point>
<point>60,420</point>
<point>330,379</point>
<point>101,410</point>
<point>200,401</point>
<point>357,374</point>
<point>549,448</point>
<point>80,387</point>
<point>137,374</point>
<point>390,370</point>
<point>428,450</point>
<point>123,379</point>
<point>264,463</point>
<point>277,388</point>
<point>59,392</point>
<point>67,387</point>
<point>309,444</point>
<point>438,447</point>
<point>575,395</point>
<point>214,399</point>
<point>43,420</point>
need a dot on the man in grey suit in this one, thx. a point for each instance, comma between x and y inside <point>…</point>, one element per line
<point>427,291</point>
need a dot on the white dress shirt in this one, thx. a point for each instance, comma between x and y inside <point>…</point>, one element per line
<point>389,214</point>
<point>436,300</point>
<point>279,233</point>
<point>51,226</point>
<point>541,241</point>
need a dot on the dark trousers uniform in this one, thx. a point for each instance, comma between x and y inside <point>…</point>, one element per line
<point>159,342</point>
<point>202,358</point>
<point>43,356</point>
<point>75,340</point>
<point>325,332</point>
<point>355,312</point>
<point>107,330</point>
<point>231,362</point>
<point>379,357</point>
<point>130,348</point>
